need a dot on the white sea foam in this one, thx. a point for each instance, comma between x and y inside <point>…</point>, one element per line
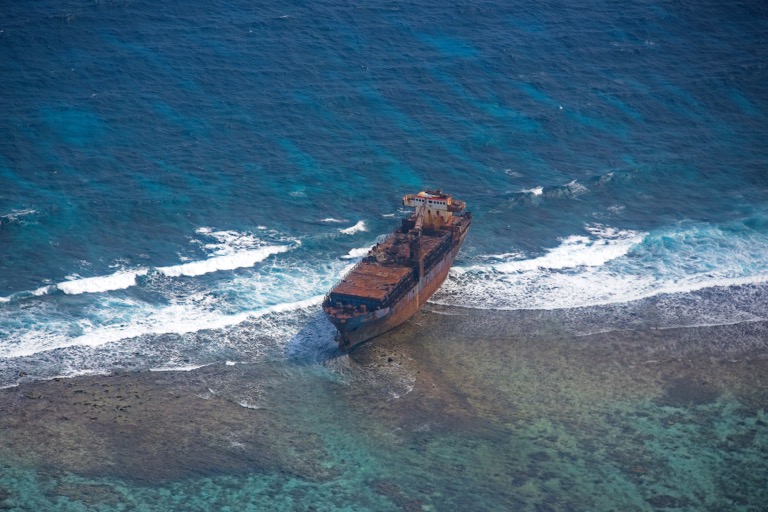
<point>155,334</point>
<point>504,256</point>
<point>16,214</point>
<point>229,250</point>
<point>118,281</point>
<point>536,191</point>
<point>360,226</point>
<point>43,290</point>
<point>178,368</point>
<point>123,279</point>
<point>127,318</point>
<point>332,220</point>
<point>73,373</point>
<point>239,259</point>
<point>610,266</point>
<point>576,188</point>
<point>291,306</point>
<point>42,327</point>
<point>575,251</point>
<point>356,253</point>
<point>227,241</point>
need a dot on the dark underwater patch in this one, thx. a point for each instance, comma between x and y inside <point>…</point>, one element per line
<point>688,391</point>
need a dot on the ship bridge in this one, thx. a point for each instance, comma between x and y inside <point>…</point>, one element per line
<point>438,208</point>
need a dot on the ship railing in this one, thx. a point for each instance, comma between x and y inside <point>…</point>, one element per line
<point>401,289</point>
<point>352,302</point>
<point>413,279</point>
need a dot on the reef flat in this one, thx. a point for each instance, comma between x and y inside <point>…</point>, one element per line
<point>459,408</point>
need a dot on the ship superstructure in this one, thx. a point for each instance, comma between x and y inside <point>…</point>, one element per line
<point>400,273</point>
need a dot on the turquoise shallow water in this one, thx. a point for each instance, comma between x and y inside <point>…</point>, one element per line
<point>181,183</point>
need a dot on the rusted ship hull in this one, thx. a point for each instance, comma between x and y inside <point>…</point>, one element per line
<point>401,273</point>
<point>354,331</point>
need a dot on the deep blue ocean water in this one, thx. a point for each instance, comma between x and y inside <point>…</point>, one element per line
<point>172,170</point>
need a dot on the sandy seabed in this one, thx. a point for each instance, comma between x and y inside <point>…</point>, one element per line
<point>457,410</point>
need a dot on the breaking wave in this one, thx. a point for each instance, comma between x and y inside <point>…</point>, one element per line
<point>360,226</point>
<point>356,253</point>
<point>228,250</point>
<point>16,215</point>
<point>610,266</point>
<point>117,281</point>
<point>240,259</point>
<point>536,191</point>
<point>162,322</point>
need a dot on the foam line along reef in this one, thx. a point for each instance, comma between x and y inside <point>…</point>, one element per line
<point>611,266</point>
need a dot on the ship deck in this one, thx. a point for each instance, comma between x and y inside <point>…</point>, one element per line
<point>374,281</point>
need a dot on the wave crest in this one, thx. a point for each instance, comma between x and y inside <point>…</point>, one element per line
<point>117,281</point>
<point>360,226</point>
<point>611,266</point>
<point>241,259</point>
